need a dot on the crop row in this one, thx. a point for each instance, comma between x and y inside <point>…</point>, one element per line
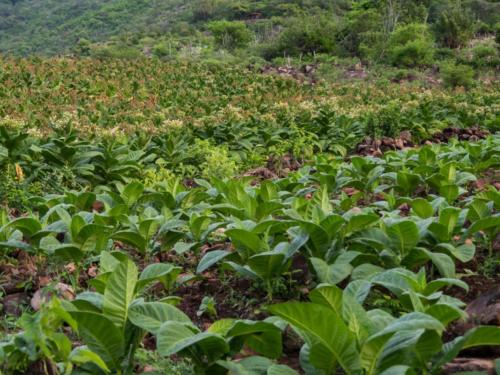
<point>398,223</point>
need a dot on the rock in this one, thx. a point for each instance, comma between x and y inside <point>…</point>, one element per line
<point>13,303</point>
<point>37,300</point>
<point>63,291</point>
<point>459,365</point>
<point>405,135</point>
<point>399,143</point>
<point>485,310</point>
<point>98,206</point>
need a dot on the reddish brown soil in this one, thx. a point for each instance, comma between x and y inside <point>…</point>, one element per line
<point>376,147</point>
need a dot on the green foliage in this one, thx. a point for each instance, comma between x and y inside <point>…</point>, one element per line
<point>208,349</point>
<point>455,75</point>
<point>269,184</point>
<point>230,34</point>
<point>244,30</point>
<point>118,51</point>
<point>454,25</point>
<point>111,321</point>
<point>411,45</point>
<point>370,342</point>
<point>485,54</point>
<point>41,340</point>
<point>360,30</point>
<point>302,36</point>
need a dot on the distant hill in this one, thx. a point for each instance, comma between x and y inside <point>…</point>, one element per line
<point>264,28</point>
<point>53,26</point>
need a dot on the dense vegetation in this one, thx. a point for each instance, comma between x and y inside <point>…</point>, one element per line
<point>403,33</point>
<point>178,218</point>
<point>249,187</point>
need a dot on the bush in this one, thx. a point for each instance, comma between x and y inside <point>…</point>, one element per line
<point>482,28</point>
<point>230,34</point>
<point>445,54</point>
<point>497,33</point>
<point>118,51</point>
<point>454,75</point>
<point>485,54</point>
<point>411,45</point>
<point>82,48</point>
<point>302,37</point>
<point>454,26</point>
<point>359,28</point>
<point>162,49</point>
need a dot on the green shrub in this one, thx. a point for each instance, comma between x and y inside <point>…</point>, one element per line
<point>230,34</point>
<point>454,75</point>
<point>485,54</point>
<point>454,26</point>
<point>373,46</point>
<point>403,74</point>
<point>482,28</point>
<point>303,37</point>
<point>117,51</point>
<point>497,32</point>
<point>411,45</point>
<point>444,54</point>
<point>162,49</point>
<point>82,48</point>
<point>359,28</point>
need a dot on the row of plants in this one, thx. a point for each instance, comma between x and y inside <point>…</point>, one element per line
<point>112,97</point>
<point>67,159</point>
<point>396,224</point>
<point>337,331</point>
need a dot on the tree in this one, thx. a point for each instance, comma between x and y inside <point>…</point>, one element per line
<point>454,26</point>
<point>411,45</point>
<point>230,34</point>
<point>305,36</point>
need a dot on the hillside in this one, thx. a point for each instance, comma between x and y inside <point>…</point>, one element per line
<point>53,26</point>
<point>268,28</point>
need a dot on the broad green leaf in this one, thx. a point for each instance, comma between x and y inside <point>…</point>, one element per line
<point>162,272</point>
<point>330,273</point>
<point>151,315</point>
<point>131,238</point>
<point>267,265</point>
<point>108,262</point>
<point>373,347</point>
<point>422,208</point>
<point>358,222</point>
<point>445,313</point>
<point>463,253</point>
<point>449,192</point>
<point>281,370</point>
<point>119,292</point>
<point>174,337</point>
<point>132,192</point>
<point>27,225</point>
<point>326,334</point>
<point>443,262</point>
<point>479,336</point>
<point>245,239</point>
<point>262,337</point>
<point>82,355</point>
<point>404,236</point>
<point>492,222</point>
<point>101,336</point>
<point>211,258</point>
<point>328,296</point>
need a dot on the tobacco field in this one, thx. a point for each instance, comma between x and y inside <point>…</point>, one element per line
<point>193,218</point>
